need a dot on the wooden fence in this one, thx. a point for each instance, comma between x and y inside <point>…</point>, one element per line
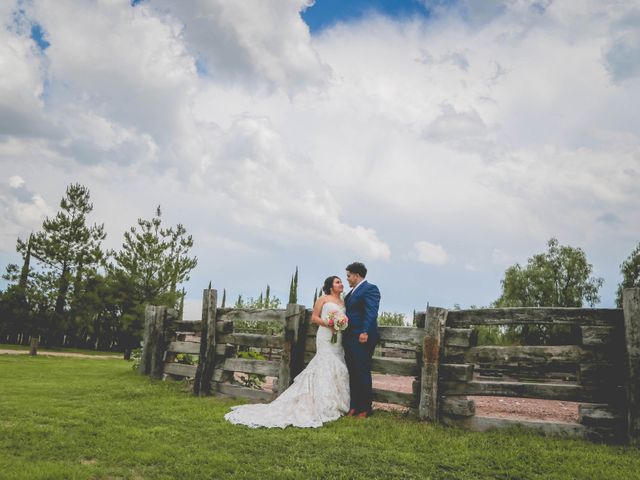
<point>599,369</point>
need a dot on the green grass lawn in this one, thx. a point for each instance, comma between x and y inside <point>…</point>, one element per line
<point>41,349</point>
<point>94,418</point>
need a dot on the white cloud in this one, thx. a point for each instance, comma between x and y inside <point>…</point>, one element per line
<point>430,253</point>
<point>252,42</point>
<point>16,181</point>
<point>276,148</point>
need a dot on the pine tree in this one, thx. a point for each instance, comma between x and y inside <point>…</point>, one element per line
<point>66,248</point>
<point>266,298</point>
<point>293,288</point>
<point>260,303</point>
<point>153,261</point>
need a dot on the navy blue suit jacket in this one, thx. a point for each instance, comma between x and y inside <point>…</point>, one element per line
<point>362,309</point>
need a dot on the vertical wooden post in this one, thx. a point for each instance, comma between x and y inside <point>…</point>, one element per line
<point>631,306</point>
<point>151,360</point>
<point>284,375</point>
<point>33,346</point>
<point>431,352</point>
<point>206,359</point>
<point>149,316</point>
<point>300,336</point>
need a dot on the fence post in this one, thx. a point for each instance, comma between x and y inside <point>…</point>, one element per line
<point>431,353</point>
<point>206,359</point>
<point>153,348</point>
<point>291,359</point>
<point>631,306</point>
<point>300,336</point>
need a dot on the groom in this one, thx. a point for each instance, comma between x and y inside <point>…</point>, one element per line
<point>360,337</point>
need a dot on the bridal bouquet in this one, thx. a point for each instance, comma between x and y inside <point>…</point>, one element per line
<point>337,322</point>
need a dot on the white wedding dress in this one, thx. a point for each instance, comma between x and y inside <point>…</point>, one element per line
<point>319,394</point>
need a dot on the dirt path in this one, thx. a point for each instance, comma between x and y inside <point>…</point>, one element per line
<point>57,354</point>
<point>503,407</point>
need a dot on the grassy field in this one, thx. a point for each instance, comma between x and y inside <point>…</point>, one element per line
<point>7,346</point>
<point>95,418</point>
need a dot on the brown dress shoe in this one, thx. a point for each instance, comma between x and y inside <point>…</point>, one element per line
<point>363,415</point>
<point>351,412</point>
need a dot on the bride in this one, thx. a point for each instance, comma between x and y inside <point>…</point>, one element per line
<point>320,393</point>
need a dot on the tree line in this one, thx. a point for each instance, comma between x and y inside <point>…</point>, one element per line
<point>71,291</point>
<point>559,277</point>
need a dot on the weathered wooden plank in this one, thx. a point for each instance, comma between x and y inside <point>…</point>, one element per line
<point>310,344</point>
<point>460,373</point>
<point>548,391</point>
<point>252,340</point>
<point>522,355</point>
<point>460,337</point>
<point>457,406</point>
<point>308,356</point>
<point>247,365</point>
<point>394,366</point>
<point>187,326</point>
<point>542,315</point>
<point>597,335</point>
<point>410,335</point>
<point>419,319</point>
<point>180,369</point>
<point>389,396</point>
<point>603,422</point>
<point>224,327</point>
<point>483,424</point>
<point>225,350</point>
<point>238,391</point>
<point>595,415</point>
<point>631,305</point>
<point>398,346</point>
<point>251,315</point>
<point>600,374</point>
<point>431,352</point>
<point>184,347</point>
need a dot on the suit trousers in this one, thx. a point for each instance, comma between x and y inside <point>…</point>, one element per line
<point>358,358</point>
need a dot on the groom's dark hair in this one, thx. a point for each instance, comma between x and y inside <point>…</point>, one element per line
<point>358,268</point>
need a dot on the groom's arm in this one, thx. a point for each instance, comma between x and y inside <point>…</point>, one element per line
<point>371,306</point>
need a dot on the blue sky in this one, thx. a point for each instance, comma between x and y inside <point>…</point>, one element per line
<point>324,13</point>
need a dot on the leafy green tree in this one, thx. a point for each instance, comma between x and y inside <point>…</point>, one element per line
<point>630,270</point>
<point>559,277</point>
<point>391,319</point>
<point>152,263</point>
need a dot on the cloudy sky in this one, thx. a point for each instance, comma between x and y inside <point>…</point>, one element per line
<point>437,141</point>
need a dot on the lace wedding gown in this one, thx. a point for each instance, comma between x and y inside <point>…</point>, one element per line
<point>319,394</point>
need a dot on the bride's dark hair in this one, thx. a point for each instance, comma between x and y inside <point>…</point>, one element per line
<point>328,283</point>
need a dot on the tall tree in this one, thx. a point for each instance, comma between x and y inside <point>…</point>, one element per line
<point>224,297</point>
<point>293,288</point>
<point>630,270</point>
<point>559,277</point>
<point>65,248</point>
<point>153,261</point>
